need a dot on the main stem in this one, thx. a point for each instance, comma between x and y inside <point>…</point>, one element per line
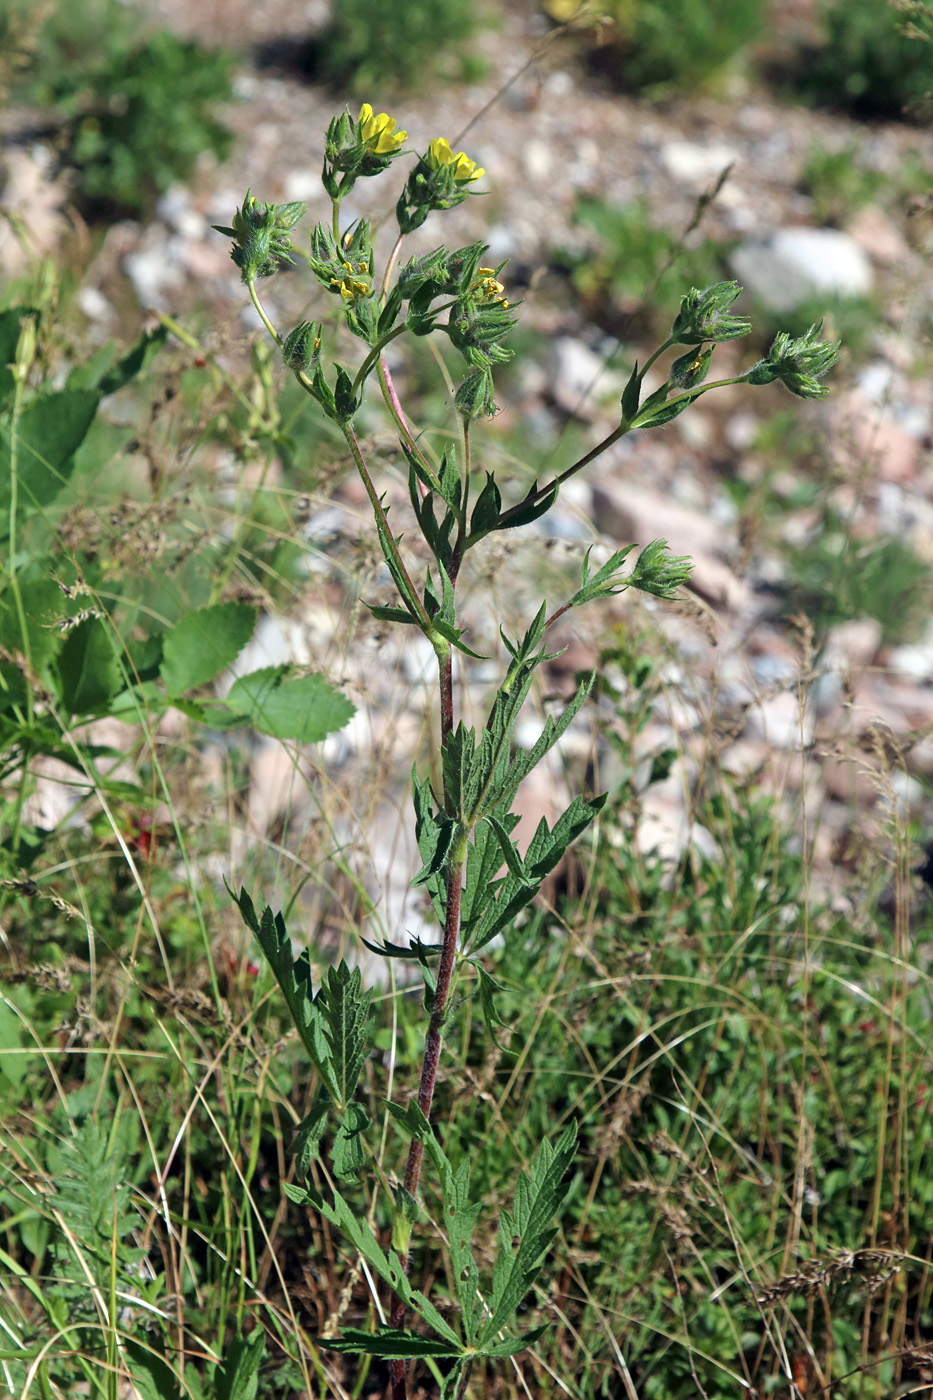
<point>432,1055</point>
<point>435,1036</point>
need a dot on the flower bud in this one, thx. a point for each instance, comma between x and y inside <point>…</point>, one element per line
<point>704,315</point>
<point>798,362</point>
<point>302,348</point>
<point>260,233</point>
<point>691,369</point>
<point>475,398</point>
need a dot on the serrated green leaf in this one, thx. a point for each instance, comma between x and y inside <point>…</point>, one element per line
<point>294,978</point>
<point>237,1376</point>
<point>387,1266</point>
<point>510,852</point>
<point>348,1152</point>
<point>482,863</point>
<point>416,950</point>
<point>306,1141</point>
<point>346,1015</point>
<point>393,615</point>
<point>460,1215</point>
<point>204,643</point>
<point>428,821</point>
<point>537,1198</point>
<point>544,851</point>
<point>602,584</point>
<point>389,1345</point>
<point>287,706</point>
<point>487,508</point>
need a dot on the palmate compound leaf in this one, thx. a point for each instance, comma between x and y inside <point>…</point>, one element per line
<point>538,1197</point>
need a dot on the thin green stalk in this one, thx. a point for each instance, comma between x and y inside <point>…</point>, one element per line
<point>380,514</point>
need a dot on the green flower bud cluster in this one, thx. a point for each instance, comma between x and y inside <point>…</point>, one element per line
<point>260,234</point>
<point>344,268</point>
<point>704,315</point>
<point>798,362</point>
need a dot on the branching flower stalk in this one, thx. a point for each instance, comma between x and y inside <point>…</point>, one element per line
<point>464,835</point>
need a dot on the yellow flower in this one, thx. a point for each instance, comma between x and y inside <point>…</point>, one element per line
<point>488,287</point>
<point>440,155</point>
<point>378,132</point>
<point>351,286</point>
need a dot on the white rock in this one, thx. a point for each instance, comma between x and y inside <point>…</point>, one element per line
<point>797,264</point>
<point>579,377</point>
<point>693,163</point>
<point>94,304</point>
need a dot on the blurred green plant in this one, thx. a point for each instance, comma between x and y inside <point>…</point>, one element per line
<point>636,266</point>
<point>874,59</point>
<point>84,634</point>
<point>658,47</point>
<point>130,115</point>
<point>378,45</point>
<point>839,183</point>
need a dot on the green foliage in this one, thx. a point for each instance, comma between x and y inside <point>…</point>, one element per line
<point>132,116</point>
<point>69,656</point>
<point>637,266</point>
<point>837,578</point>
<point>675,45</point>
<point>866,63</point>
<point>378,46</point>
<point>839,183</point>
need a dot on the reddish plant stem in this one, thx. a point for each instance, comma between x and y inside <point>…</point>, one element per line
<point>432,1055</point>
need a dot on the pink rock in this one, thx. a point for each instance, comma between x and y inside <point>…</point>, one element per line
<point>878,236</point>
<point>628,512</point>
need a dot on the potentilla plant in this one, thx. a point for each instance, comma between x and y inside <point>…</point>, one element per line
<point>477,878</point>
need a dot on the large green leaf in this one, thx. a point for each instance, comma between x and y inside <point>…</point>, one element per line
<point>89,668</point>
<point>49,431</point>
<point>286,706</point>
<point>204,643</point>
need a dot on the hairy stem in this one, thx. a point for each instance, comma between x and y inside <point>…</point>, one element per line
<point>353,444</point>
<point>432,1054</point>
